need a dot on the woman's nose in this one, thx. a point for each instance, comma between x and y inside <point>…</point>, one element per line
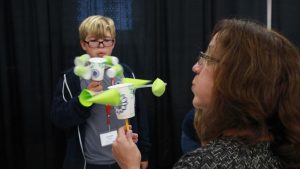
<point>196,68</point>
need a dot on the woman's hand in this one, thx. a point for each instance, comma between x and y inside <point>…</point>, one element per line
<point>125,151</point>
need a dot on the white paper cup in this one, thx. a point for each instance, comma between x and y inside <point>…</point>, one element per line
<point>126,109</point>
<point>97,68</point>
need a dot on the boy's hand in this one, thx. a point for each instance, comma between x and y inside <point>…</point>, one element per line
<point>95,86</point>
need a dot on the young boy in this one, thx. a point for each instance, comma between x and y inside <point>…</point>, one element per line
<point>87,126</point>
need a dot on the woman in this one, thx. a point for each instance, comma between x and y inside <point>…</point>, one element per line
<point>247,92</point>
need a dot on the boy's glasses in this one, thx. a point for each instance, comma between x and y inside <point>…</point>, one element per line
<point>205,59</point>
<point>96,44</point>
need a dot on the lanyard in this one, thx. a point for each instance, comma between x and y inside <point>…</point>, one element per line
<point>108,108</point>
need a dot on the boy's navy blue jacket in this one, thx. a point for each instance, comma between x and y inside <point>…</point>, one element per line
<point>67,113</point>
<point>189,138</point>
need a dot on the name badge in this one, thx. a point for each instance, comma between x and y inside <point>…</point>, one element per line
<point>108,138</point>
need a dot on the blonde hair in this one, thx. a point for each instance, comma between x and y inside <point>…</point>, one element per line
<point>98,26</point>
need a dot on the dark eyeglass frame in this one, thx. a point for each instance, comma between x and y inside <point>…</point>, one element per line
<point>104,42</point>
<point>204,58</point>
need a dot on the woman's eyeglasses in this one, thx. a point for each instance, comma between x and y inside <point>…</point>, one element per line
<point>205,59</point>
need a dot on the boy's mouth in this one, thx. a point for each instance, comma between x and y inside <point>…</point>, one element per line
<point>101,54</point>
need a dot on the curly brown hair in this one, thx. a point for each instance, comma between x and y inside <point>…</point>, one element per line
<point>256,92</point>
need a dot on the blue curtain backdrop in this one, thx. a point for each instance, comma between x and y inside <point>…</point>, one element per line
<point>157,38</point>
